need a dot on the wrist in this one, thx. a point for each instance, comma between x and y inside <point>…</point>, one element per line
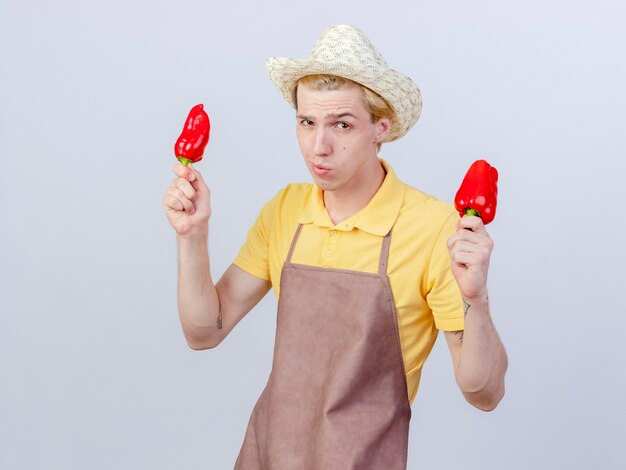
<point>477,302</point>
<point>200,234</point>
<point>481,297</point>
<point>479,305</point>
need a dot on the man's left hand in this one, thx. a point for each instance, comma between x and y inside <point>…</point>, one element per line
<point>470,249</point>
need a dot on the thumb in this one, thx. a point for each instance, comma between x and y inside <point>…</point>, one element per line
<point>198,180</point>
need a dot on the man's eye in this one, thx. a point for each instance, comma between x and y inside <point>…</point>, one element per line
<point>306,122</point>
<point>343,125</point>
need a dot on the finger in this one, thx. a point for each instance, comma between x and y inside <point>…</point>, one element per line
<point>473,223</point>
<point>463,246</point>
<point>197,174</point>
<point>173,204</point>
<point>186,187</point>
<point>468,259</point>
<point>470,236</point>
<point>179,195</point>
<point>184,172</point>
<point>461,243</point>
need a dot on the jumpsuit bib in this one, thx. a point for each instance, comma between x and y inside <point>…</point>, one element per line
<point>336,397</point>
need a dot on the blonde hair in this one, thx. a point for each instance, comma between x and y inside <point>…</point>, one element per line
<point>374,103</point>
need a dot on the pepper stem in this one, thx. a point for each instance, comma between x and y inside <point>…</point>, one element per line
<point>470,211</point>
<point>184,161</point>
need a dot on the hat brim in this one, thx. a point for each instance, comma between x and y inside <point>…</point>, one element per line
<point>400,92</point>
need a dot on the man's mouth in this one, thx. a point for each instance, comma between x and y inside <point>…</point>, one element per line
<point>320,170</point>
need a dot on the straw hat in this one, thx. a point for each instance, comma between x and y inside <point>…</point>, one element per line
<point>346,52</point>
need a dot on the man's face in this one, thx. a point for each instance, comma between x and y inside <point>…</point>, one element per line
<point>337,137</point>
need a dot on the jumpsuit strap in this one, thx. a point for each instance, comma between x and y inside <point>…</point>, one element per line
<point>293,243</point>
<point>384,254</point>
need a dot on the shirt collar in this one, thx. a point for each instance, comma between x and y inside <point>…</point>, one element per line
<point>377,217</point>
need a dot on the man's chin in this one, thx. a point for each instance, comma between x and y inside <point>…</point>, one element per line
<point>324,185</point>
<point>321,182</point>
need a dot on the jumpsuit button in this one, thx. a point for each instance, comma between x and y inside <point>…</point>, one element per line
<point>333,233</point>
<point>329,253</point>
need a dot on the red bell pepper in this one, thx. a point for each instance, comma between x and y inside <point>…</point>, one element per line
<point>189,147</point>
<point>479,192</point>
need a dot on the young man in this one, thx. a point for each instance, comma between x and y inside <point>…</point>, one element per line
<point>366,270</point>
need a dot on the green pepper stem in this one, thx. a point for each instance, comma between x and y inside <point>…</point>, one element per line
<point>470,211</point>
<point>184,161</point>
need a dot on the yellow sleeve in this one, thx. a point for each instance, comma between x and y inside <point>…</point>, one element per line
<point>444,297</point>
<point>253,256</point>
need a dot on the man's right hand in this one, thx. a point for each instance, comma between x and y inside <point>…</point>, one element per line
<point>187,202</point>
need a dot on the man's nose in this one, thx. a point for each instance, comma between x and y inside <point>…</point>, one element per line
<point>322,143</point>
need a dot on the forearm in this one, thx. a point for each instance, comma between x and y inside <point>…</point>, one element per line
<point>198,302</point>
<point>483,361</point>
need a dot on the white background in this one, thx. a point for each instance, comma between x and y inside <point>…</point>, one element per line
<point>94,370</point>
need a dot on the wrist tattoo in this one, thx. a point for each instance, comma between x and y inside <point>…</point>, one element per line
<point>219,321</point>
<point>466,307</point>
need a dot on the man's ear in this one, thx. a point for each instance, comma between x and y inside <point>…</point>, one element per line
<point>383,127</point>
